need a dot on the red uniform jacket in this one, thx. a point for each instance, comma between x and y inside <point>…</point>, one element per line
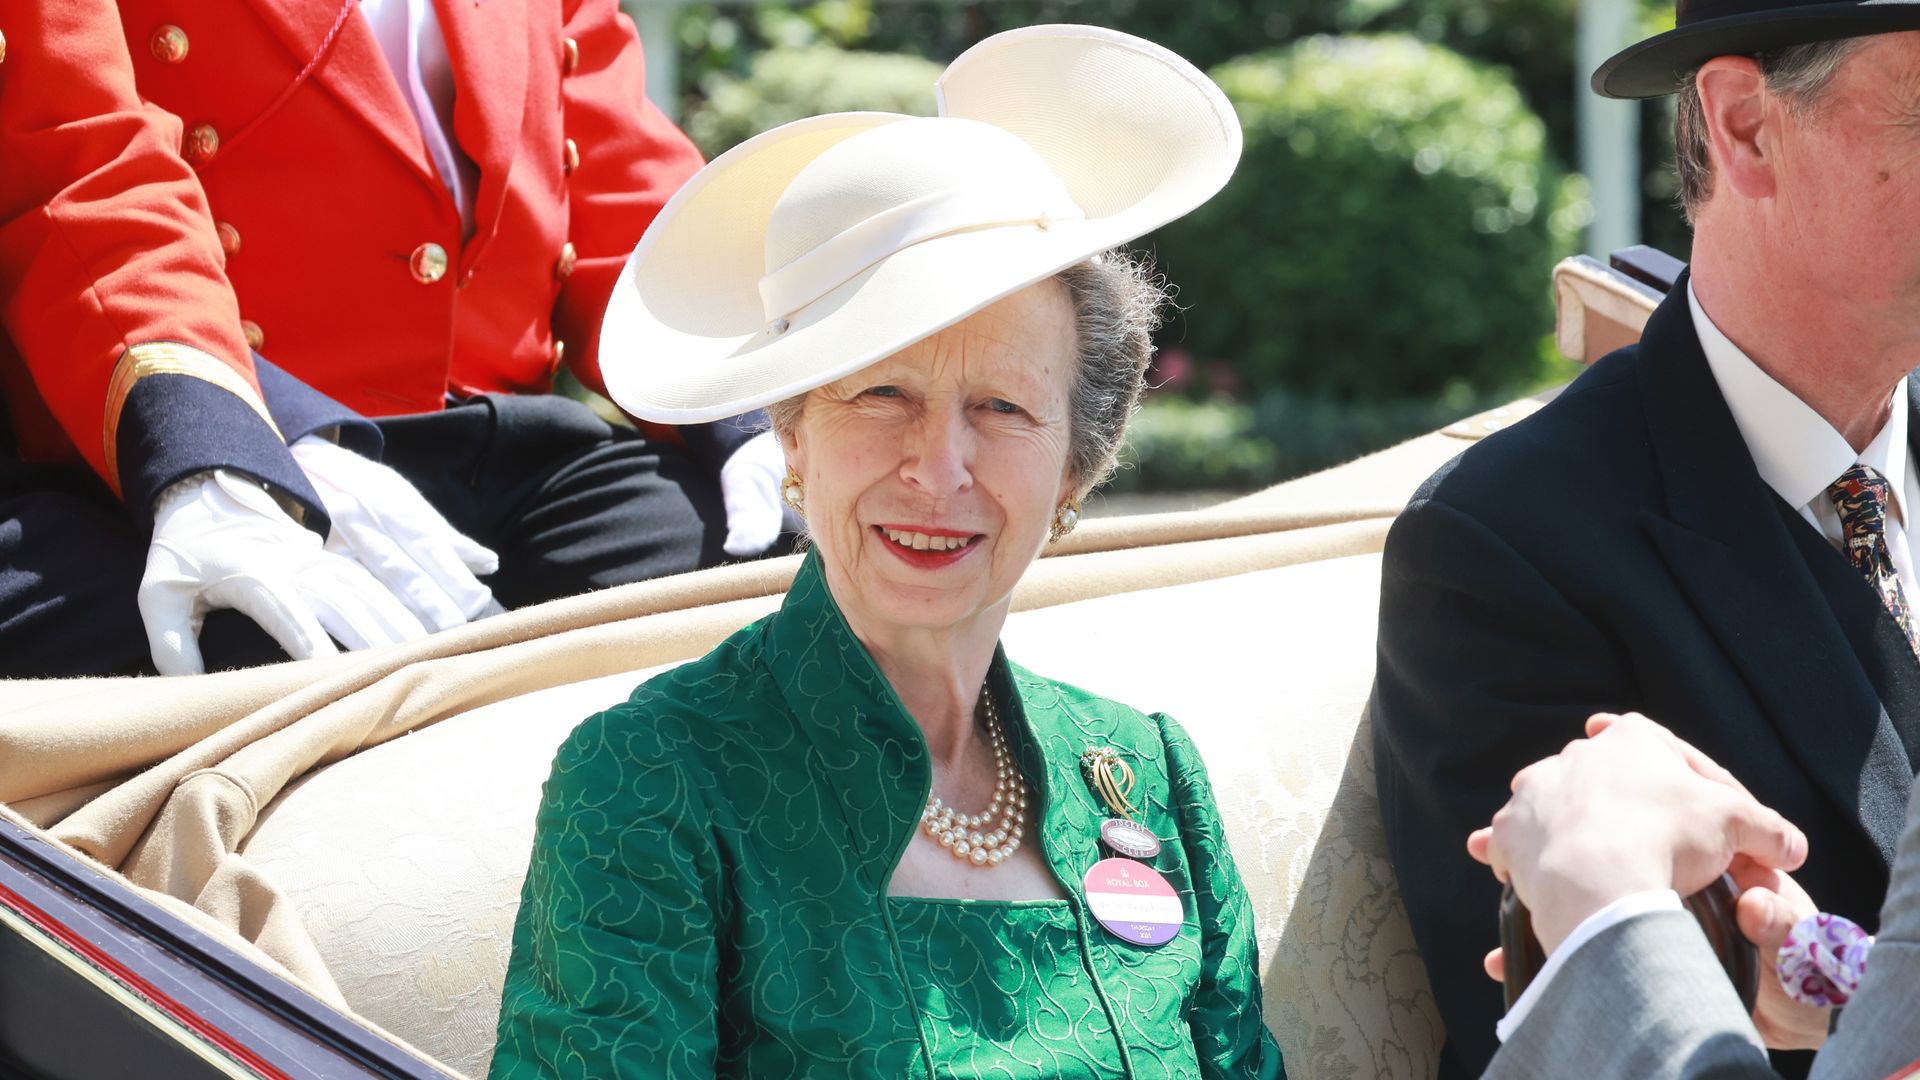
<point>343,257</point>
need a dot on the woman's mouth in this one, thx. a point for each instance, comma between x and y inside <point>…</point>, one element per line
<point>924,547</point>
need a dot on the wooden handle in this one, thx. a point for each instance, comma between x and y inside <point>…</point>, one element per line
<point>1713,906</point>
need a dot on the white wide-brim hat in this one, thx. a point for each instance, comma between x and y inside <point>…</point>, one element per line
<point>818,248</point>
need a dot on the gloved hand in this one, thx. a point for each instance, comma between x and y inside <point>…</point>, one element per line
<point>750,489</point>
<point>382,522</point>
<point>220,541</point>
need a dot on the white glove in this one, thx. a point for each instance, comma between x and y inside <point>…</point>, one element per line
<point>220,541</point>
<point>750,489</point>
<point>382,522</point>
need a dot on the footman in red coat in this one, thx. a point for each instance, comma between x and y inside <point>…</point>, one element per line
<point>286,286</point>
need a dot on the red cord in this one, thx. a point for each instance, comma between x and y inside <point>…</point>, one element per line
<point>326,46</point>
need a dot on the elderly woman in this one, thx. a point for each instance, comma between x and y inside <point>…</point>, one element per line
<point>854,840</point>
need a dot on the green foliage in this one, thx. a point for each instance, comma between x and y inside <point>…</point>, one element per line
<point>1177,444</point>
<point>790,83</point>
<point>1390,230</point>
<point>1533,38</point>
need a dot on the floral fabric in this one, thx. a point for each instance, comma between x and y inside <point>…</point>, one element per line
<point>707,891</point>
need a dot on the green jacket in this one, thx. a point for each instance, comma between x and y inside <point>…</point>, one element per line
<point>707,891</point>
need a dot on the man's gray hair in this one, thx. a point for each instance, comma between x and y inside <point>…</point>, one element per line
<point>1798,74</point>
<point>1117,298</point>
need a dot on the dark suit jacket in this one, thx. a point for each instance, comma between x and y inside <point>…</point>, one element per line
<point>1619,551</point>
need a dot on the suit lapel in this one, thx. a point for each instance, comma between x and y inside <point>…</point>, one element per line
<point>487,40</point>
<point>1875,638</point>
<point>353,70</point>
<point>1732,553</point>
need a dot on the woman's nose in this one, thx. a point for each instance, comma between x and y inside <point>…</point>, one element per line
<point>939,453</point>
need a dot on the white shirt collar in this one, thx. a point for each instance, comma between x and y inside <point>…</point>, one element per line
<point>1798,453</point>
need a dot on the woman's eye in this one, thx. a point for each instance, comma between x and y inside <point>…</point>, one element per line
<point>882,391</point>
<point>1002,405</point>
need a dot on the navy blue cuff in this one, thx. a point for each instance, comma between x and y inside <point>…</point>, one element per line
<point>173,426</point>
<point>299,410</point>
<point>712,444</point>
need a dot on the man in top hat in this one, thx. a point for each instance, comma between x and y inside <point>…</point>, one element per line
<point>234,231</point>
<point>1714,526</point>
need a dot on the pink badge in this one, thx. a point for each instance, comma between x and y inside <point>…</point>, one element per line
<point>1133,902</point>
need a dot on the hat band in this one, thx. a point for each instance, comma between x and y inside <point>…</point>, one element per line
<point>844,256</point>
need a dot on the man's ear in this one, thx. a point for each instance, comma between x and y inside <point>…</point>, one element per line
<point>1743,121</point>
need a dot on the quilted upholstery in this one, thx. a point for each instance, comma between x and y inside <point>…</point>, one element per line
<point>413,920</point>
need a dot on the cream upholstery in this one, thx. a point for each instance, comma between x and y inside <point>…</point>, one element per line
<point>404,861</point>
<point>366,819</point>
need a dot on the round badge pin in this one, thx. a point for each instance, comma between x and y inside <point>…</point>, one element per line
<point>1133,902</point>
<point>1129,838</point>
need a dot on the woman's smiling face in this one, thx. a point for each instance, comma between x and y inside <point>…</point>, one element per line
<point>932,476</point>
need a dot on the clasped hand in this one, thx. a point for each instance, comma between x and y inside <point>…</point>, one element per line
<point>391,570</point>
<point>1633,808</point>
<point>750,492</point>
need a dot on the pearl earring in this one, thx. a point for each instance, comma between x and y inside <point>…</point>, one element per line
<point>793,493</point>
<point>1065,517</point>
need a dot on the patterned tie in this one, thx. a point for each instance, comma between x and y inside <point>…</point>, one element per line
<point>1860,495</point>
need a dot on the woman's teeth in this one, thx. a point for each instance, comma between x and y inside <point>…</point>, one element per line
<point>922,542</point>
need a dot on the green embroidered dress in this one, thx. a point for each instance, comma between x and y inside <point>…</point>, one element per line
<point>708,890</point>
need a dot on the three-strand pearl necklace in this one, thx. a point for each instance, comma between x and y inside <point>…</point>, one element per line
<point>1004,818</point>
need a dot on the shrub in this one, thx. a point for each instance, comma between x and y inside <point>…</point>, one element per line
<point>788,84</point>
<point>1390,230</point>
<point>1177,444</point>
<point>1174,444</point>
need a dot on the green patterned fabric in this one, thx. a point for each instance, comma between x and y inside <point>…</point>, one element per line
<point>707,890</point>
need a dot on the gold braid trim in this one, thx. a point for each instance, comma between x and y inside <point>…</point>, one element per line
<point>167,358</point>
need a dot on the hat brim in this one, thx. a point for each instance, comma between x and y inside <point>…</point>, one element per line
<point>697,377</point>
<point>1654,67</point>
<point>1137,134</point>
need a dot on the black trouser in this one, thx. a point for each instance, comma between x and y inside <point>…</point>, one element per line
<point>569,502</point>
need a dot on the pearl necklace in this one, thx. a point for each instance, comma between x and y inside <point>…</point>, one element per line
<point>1005,817</point>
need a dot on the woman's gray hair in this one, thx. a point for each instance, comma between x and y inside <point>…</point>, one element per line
<point>1117,299</point>
<point>1798,74</point>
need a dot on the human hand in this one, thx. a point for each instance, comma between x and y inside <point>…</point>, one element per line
<point>382,522</point>
<point>1770,904</point>
<point>1631,808</point>
<point>750,490</point>
<point>220,541</point>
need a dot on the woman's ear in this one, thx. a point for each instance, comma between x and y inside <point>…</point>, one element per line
<point>790,444</point>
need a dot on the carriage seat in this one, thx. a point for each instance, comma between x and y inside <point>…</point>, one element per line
<point>405,861</point>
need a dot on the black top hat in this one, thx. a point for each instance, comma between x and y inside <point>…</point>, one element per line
<point>1705,29</point>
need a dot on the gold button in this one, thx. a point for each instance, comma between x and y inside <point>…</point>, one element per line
<point>429,263</point>
<point>256,337</point>
<point>200,143</point>
<point>169,44</point>
<point>229,238</point>
<point>568,256</point>
<point>571,158</point>
<point>569,56</point>
<point>559,354</point>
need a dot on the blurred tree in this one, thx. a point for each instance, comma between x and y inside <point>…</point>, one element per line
<point>786,84</point>
<point>1533,38</point>
<point>1389,232</point>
